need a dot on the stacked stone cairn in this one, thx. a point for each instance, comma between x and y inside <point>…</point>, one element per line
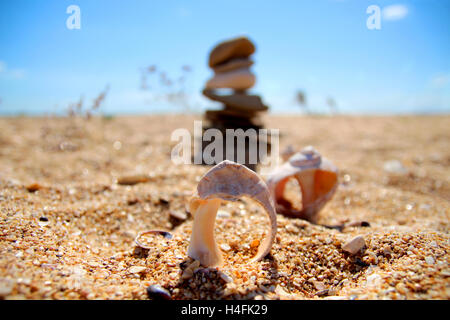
<point>230,61</point>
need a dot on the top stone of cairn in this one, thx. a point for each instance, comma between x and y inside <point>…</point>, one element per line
<point>240,47</point>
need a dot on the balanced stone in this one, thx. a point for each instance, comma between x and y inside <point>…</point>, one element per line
<point>222,119</point>
<point>241,79</point>
<point>238,101</point>
<point>240,47</point>
<point>233,65</point>
<point>230,113</point>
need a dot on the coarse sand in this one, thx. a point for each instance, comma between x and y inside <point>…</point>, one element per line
<point>67,226</point>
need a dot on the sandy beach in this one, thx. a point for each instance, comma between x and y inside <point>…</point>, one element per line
<point>67,226</point>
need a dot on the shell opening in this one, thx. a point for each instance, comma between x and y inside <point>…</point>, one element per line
<point>227,181</point>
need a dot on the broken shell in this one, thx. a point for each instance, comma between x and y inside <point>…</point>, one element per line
<point>165,234</point>
<point>227,181</point>
<point>317,178</point>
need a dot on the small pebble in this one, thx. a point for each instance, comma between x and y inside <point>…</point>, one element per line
<point>164,200</point>
<point>226,277</point>
<point>291,228</point>
<point>187,274</point>
<point>5,291</point>
<point>354,245</point>
<point>133,201</point>
<point>178,215</point>
<point>394,166</point>
<point>429,260</point>
<point>358,224</point>
<point>387,251</point>
<point>223,214</point>
<point>194,265</point>
<point>332,291</point>
<point>335,298</point>
<point>43,221</point>
<point>433,244</point>
<point>33,187</point>
<point>157,292</point>
<point>319,285</point>
<point>117,145</point>
<point>132,180</point>
<point>254,243</point>
<point>361,263</point>
<point>321,293</point>
<point>373,279</point>
<point>424,206</point>
<point>225,247</point>
<point>400,287</point>
<point>136,269</point>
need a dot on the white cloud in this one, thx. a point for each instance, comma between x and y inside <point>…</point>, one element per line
<point>395,12</point>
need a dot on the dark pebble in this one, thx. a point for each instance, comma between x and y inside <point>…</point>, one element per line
<point>33,187</point>
<point>45,219</point>
<point>131,202</point>
<point>338,227</point>
<point>164,201</point>
<point>361,263</point>
<point>157,292</point>
<point>166,234</point>
<point>359,224</point>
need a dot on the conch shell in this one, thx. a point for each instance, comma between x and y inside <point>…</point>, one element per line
<point>318,180</point>
<point>227,181</point>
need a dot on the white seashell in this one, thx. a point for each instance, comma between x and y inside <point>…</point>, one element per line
<point>227,181</point>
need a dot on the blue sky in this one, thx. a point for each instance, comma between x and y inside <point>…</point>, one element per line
<point>322,47</point>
